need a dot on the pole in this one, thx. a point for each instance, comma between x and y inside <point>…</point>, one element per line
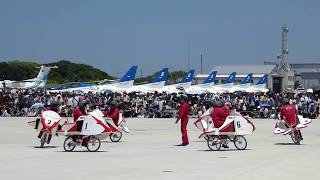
<point>188,66</point>
<point>201,62</point>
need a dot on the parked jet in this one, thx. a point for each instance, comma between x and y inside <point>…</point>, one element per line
<point>72,87</point>
<point>124,83</point>
<point>183,84</point>
<point>207,84</point>
<point>225,86</point>
<point>35,83</point>
<point>243,86</point>
<point>157,83</point>
<point>261,85</point>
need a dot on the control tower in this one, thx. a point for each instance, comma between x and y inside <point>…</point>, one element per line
<point>283,76</point>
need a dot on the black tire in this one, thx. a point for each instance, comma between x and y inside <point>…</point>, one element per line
<point>295,137</point>
<point>240,142</point>
<point>43,139</point>
<point>69,144</point>
<point>116,137</point>
<point>214,143</point>
<point>93,144</point>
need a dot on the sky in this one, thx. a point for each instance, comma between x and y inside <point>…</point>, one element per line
<point>112,35</point>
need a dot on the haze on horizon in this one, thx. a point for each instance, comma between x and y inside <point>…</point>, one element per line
<point>113,35</point>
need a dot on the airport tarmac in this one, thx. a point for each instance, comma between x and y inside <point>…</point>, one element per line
<point>149,152</point>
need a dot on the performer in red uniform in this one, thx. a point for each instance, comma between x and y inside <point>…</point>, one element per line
<point>113,113</point>
<point>184,117</point>
<point>289,113</point>
<point>219,114</point>
<point>81,110</point>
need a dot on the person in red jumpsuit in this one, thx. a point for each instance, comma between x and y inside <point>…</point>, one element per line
<point>113,113</point>
<point>184,117</point>
<point>81,110</point>
<point>289,113</point>
<point>219,114</point>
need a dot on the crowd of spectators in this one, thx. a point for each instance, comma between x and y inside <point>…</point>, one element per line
<point>160,105</point>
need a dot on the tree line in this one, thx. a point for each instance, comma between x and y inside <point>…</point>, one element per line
<point>67,72</point>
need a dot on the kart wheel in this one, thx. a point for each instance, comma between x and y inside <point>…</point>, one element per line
<point>115,137</point>
<point>240,142</point>
<point>295,137</point>
<point>214,143</point>
<point>69,144</point>
<point>93,144</point>
<point>43,139</point>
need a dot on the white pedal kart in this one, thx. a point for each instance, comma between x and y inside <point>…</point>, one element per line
<point>47,126</point>
<point>91,128</point>
<point>116,129</point>
<point>85,132</point>
<point>216,137</point>
<point>293,131</point>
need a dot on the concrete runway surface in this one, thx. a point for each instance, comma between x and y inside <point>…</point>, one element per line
<point>149,152</point>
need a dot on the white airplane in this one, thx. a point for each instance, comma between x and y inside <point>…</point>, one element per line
<point>261,85</point>
<point>207,84</point>
<point>225,86</point>
<point>243,86</point>
<point>35,83</point>
<point>74,87</point>
<point>125,82</point>
<point>183,84</point>
<point>121,86</point>
<point>157,83</point>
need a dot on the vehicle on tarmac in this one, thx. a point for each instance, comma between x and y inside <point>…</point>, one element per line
<point>89,130</point>
<point>47,126</point>
<point>217,137</point>
<point>294,130</point>
<point>116,129</point>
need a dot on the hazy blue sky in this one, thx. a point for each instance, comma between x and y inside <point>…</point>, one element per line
<point>114,34</point>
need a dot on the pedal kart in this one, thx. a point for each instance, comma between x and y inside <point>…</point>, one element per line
<point>293,131</point>
<point>216,137</point>
<point>86,131</point>
<point>47,125</point>
<point>116,129</point>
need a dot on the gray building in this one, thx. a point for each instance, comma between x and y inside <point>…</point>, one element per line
<point>306,75</point>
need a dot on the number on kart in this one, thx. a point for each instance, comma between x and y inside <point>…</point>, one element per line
<point>238,124</point>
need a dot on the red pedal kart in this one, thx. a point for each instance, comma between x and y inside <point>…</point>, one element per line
<point>216,137</point>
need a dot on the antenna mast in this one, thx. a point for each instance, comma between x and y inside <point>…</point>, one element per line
<point>284,65</point>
